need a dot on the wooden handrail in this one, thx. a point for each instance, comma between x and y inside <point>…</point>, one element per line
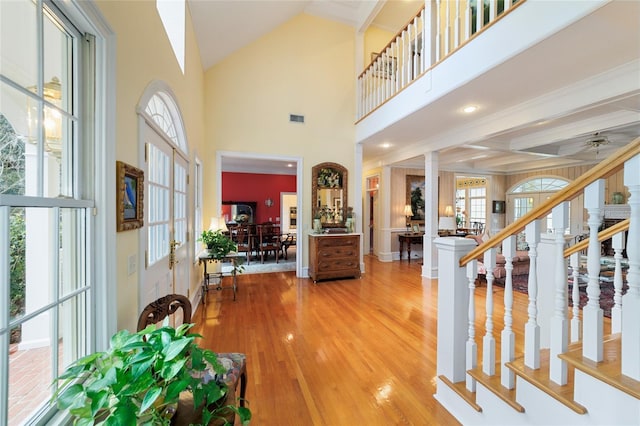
<point>603,235</point>
<point>602,170</point>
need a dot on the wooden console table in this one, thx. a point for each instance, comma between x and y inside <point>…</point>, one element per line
<point>215,278</point>
<point>409,238</point>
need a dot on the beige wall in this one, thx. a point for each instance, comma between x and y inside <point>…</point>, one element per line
<point>143,54</point>
<point>305,67</point>
<point>375,39</point>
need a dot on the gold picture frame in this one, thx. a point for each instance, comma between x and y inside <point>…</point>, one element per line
<point>415,197</point>
<point>129,197</point>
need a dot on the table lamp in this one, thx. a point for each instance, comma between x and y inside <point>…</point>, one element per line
<point>408,214</point>
<point>447,223</point>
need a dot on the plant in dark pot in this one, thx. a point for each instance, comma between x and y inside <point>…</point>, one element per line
<point>138,380</point>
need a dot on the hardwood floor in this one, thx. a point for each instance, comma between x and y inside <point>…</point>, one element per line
<point>344,352</point>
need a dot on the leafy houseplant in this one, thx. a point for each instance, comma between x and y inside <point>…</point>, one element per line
<point>218,244</point>
<point>138,380</point>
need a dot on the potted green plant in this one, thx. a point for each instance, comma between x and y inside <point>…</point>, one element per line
<point>138,380</point>
<point>218,244</point>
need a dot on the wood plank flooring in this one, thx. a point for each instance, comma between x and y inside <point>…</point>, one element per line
<point>344,352</point>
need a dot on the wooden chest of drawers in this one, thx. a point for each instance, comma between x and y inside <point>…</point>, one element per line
<point>334,256</point>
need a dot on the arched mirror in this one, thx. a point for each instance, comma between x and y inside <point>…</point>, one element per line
<point>329,194</point>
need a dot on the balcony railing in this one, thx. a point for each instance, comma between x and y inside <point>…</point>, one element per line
<point>445,26</point>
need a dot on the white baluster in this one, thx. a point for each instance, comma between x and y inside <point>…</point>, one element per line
<point>447,28</point>
<point>631,300</point>
<point>532,329</point>
<point>437,31</point>
<point>592,313</point>
<point>479,15</point>
<point>507,5</point>
<point>472,348</point>
<point>456,26</point>
<point>559,335</point>
<point>617,242</point>
<point>467,21</point>
<point>508,338</point>
<point>488,341</point>
<point>576,324</point>
<point>425,51</point>
<point>493,10</point>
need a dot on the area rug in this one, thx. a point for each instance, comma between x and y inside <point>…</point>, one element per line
<point>607,291</point>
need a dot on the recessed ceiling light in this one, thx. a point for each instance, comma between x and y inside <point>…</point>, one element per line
<point>289,165</point>
<point>386,145</point>
<point>469,109</point>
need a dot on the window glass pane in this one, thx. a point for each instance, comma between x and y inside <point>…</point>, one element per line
<point>12,153</point>
<point>72,242</point>
<point>18,41</point>
<point>30,367</point>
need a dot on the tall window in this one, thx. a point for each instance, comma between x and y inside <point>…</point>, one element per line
<point>527,195</point>
<point>471,201</point>
<point>47,178</point>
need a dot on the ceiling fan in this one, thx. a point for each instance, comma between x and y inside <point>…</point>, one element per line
<point>597,141</point>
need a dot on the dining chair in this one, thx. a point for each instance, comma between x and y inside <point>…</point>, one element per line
<point>242,238</point>
<point>234,362</point>
<point>269,238</point>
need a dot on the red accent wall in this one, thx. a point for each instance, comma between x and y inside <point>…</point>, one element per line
<point>256,187</point>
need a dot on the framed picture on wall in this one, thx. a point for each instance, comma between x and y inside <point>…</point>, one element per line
<point>415,196</point>
<point>129,197</point>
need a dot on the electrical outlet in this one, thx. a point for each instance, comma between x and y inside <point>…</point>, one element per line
<point>132,264</point>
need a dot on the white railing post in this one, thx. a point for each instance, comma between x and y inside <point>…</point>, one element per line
<point>453,306</point>
<point>488,341</point>
<point>592,313</point>
<point>437,32</point>
<point>559,333</point>
<point>507,337</point>
<point>617,242</point>
<point>472,348</point>
<point>631,300</point>
<point>576,324</point>
<point>532,329</point>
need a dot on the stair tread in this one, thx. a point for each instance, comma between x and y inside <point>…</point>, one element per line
<point>609,370</point>
<point>461,389</point>
<point>540,379</point>
<point>494,384</point>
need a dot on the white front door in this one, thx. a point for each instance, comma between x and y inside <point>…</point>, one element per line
<point>166,224</point>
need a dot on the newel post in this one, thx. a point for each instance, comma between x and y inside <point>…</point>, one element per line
<point>453,299</point>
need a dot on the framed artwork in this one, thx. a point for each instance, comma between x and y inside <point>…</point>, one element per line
<point>129,197</point>
<point>416,228</point>
<point>385,67</point>
<point>498,207</point>
<point>415,196</point>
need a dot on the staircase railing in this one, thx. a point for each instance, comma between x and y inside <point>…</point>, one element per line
<point>458,271</point>
<point>432,35</point>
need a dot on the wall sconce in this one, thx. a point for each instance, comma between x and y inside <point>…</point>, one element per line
<point>408,214</point>
<point>52,93</point>
<point>268,202</point>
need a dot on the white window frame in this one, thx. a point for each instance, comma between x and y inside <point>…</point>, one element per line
<point>93,180</point>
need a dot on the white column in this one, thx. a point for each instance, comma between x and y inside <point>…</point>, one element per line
<point>430,254</point>
<point>531,329</point>
<point>453,299</point>
<point>592,313</point>
<point>38,259</point>
<point>384,234</point>
<point>559,333</point>
<point>357,200</point>
<point>631,300</point>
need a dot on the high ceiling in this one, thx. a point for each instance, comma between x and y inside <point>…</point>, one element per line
<point>545,142</point>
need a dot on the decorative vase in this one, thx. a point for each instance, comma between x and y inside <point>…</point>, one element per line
<point>317,226</point>
<point>617,198</point>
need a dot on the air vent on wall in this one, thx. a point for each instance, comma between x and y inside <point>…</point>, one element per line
<point>296,118</point>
